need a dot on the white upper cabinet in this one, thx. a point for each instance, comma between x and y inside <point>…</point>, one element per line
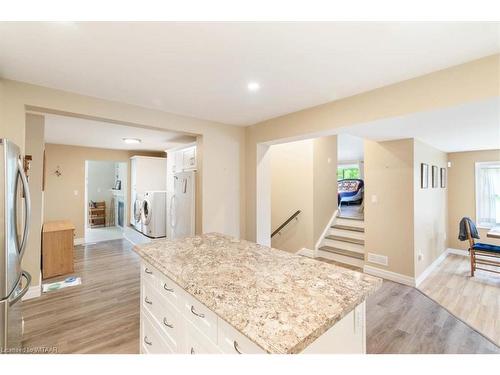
<point>185,159</point>
<point>148,173</point>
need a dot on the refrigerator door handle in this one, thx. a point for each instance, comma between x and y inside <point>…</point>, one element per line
<point>23,291</point>
<point>27,206</point>
<point>172,211</point>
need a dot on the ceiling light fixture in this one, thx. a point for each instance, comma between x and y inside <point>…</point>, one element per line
<point>253,86</point>
<point>131,141</point>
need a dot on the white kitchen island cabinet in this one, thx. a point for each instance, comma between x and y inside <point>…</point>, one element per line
<point>215,294</point>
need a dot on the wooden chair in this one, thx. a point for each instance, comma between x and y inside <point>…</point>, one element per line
<point>481,253</point>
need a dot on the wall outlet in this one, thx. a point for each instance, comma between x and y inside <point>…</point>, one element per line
<point>75,192</point>
<point>420,257</point>
<point>374,198</point>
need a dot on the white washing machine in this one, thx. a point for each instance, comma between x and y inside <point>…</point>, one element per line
<point>154,214</point>
<point>136,218</point>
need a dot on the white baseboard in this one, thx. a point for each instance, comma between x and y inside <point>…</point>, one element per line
<point>389,275</point>
<point>78,241</point>
<point>34,291</point>
<point>411,281</point>
<point>464,253</point>
<point>325,231</point>
<point>306,252</point>
<point>431,268</point>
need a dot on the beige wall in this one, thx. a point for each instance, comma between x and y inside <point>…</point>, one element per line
<point>389,220</point>
<point>461,192</point>
<point>61,202</point>
<point>324,183</point>
<point>473,81</point>
<point>292,190</point>
<point>303,177</point>
<point>430,209</point>
<point>223,145</point>
<point>35,126</point>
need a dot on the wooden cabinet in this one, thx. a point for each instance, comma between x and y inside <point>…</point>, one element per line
<point>97,214</point>
<point>57,248</point>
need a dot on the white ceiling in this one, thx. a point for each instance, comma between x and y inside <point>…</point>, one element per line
<point>349,148</point>
<point>202,69</point>
<point>89,133</point>
<point>469,127</point>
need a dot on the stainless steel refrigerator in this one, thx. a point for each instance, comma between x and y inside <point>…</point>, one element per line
<point>14,230</point>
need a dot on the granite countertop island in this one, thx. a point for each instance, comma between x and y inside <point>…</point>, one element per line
<point>280,301</point>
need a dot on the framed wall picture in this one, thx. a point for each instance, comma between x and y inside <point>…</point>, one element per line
<point>424,176</point>
<point>443,177</point>
<point>435,171</point>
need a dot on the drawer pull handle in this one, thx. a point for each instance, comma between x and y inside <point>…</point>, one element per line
<point>199,315</point>
<point>148,301</point>
<point>147,341</point>
<point>167,288</point>
<point>165,321</point>
<point>236,346</point>
<point>192,351</point>
<point>148,271</point>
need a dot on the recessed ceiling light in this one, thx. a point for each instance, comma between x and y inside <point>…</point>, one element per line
<point>131,141</point>
<point>253,86</point>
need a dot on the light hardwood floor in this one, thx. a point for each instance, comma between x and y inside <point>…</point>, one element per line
<point>402,320</point>
<point>102,314</point>
<point>475,300</point>
<point>99,316</point>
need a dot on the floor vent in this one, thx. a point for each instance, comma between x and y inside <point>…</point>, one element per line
<point>378,259</point>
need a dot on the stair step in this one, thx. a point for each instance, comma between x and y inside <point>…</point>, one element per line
<point>350,218</point>
<point>349,223</point>
<point>347,253</point>
<point>348,227</point>
<point>345,239</point>
<point>356,235</point>
<point>344,245</point>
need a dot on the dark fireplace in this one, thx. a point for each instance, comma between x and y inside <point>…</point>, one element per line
<point>121,213</point>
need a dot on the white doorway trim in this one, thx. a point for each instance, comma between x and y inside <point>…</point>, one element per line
<point>263,195</point>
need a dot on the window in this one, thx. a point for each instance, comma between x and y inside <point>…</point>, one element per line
<point>488,194</point>
<point>347,171</point>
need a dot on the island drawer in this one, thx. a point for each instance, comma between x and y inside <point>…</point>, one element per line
<point>231,341</point>
<point>201,317</point>
<point>198,343</point>
<point>151,340</point>
<point>167,318</point>
<point>148,272</point>
<point>170,291</point>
